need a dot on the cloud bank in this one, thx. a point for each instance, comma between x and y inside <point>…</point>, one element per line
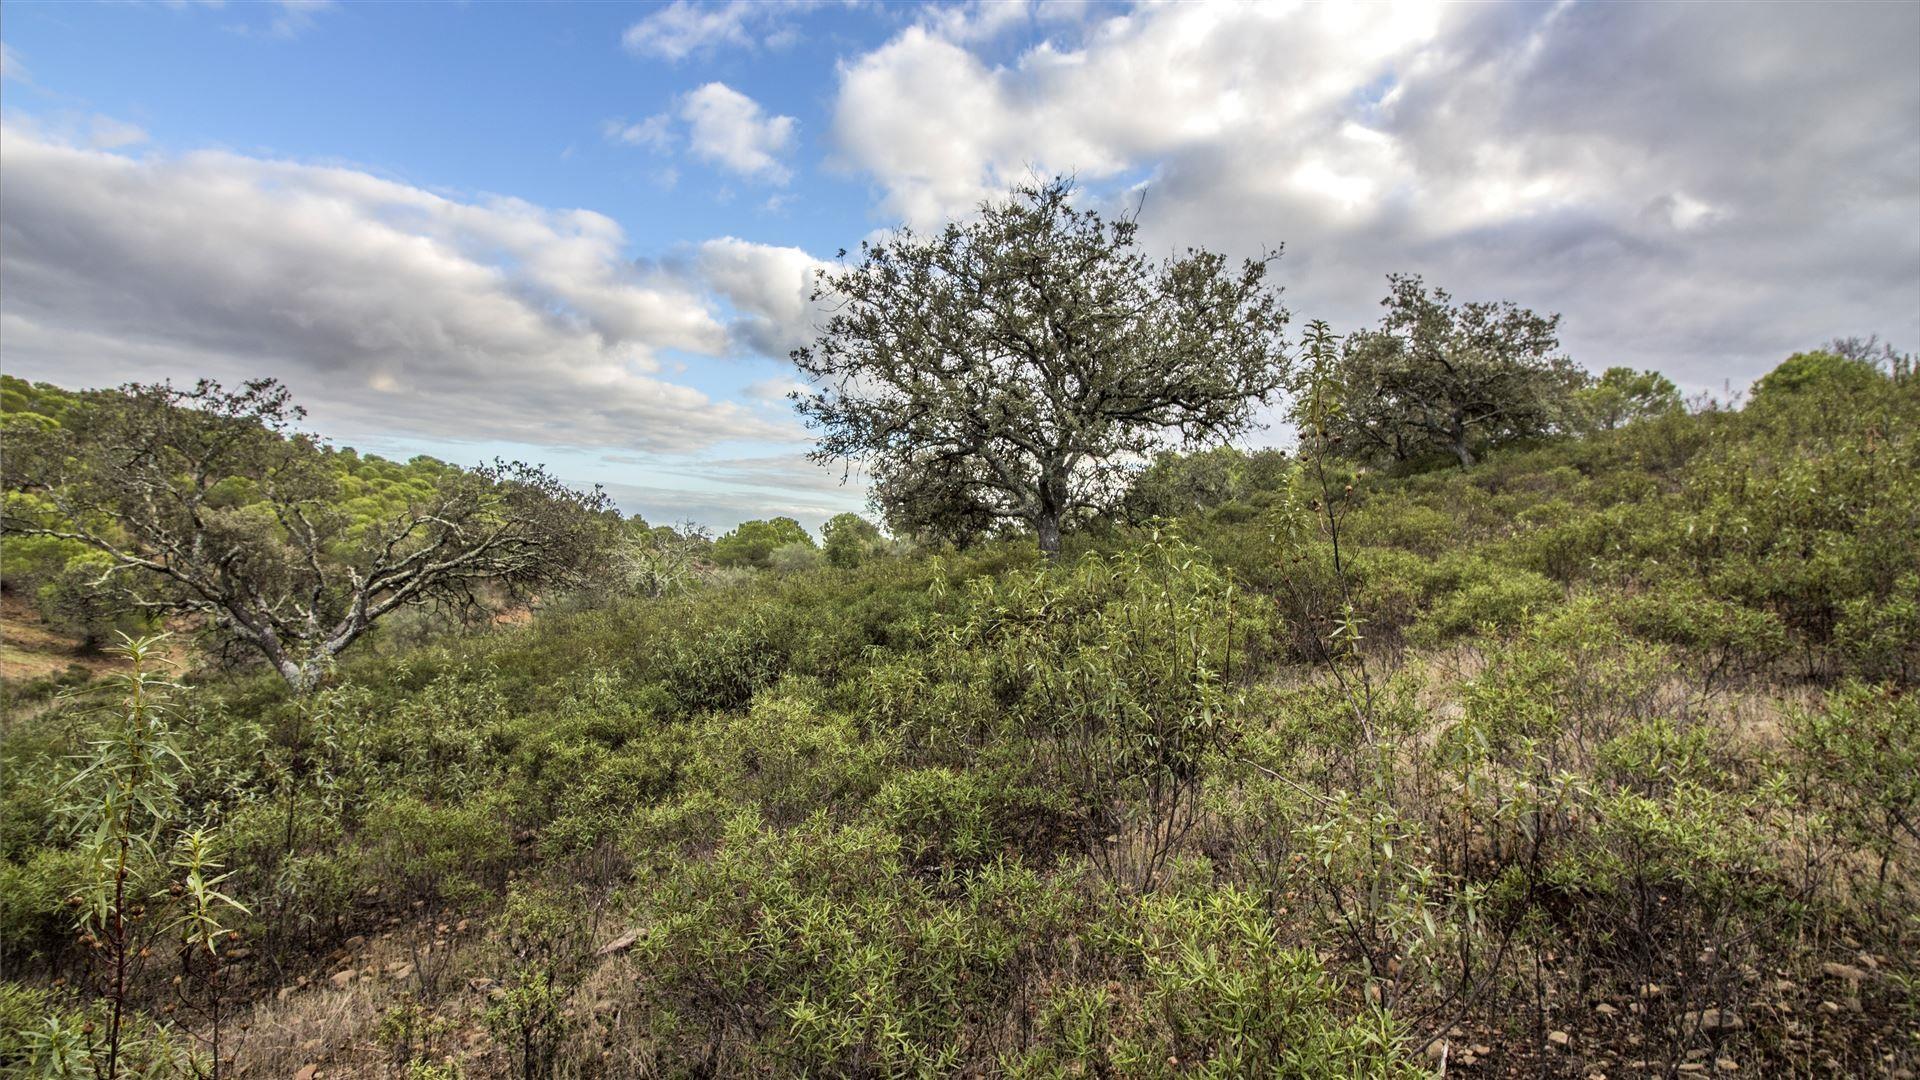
<point>1698,188</point>
<point>390,307</point>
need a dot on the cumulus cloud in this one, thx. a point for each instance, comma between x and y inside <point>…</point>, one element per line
<point>720,126</point>
<point>1696,188</point>
<point>388,307</point>
<point>768,289</point>
<point>731,130</point>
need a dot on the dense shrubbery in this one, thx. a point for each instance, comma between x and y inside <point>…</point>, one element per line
<point>1601,752</point>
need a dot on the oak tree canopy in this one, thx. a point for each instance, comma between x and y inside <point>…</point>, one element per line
<point>1016,366</point>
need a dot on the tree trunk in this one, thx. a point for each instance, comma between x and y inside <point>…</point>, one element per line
<point>300,678</point>
<point>1457,442</point>
<point>1047,524</point>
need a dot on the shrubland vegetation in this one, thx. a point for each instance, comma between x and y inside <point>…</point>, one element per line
<point>1595,757</point>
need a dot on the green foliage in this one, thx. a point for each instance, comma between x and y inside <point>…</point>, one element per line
<point>1475,596</point>
<point>210,502</point>
<point>542,929</point>
<point>1862,753</point>
<point>1441,377</point>
<point>1226,996</point>
<point>1207,482</point>
<point>1817,372</point>
<point>1340,761</point>
<point>1622,396</point>
<point>851,540</point>
<point>753,543</point>
<point>944,817</point>
<point>1000,370</point>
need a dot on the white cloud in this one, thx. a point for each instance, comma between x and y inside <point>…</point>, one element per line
<point>389,308</point>
<point>768,288</point>
<point>731,130</point>
<point>1592,159</point>
<point>655,131</point>
<point>682,29</point>
<point>687,28</point>
<point>980,20</point>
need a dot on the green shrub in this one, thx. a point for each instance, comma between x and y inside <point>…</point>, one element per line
<point>1221,994</point>
<point>947,818</point>
<point>447,855</point>
<point>1861,755</point>
<point>1477,596</point>
<point>1880,636</point>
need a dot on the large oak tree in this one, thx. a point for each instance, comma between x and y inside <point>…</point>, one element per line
<point>209,501</point>
<point>1016,366</point>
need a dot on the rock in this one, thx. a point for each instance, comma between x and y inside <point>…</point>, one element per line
<point>1560,1039</point>
<point>1606,1010</point>
<point>399,971</point>
<point>1482,1049</point>
<point>239,954</point>
<point>1693,1067</point>
<point>1714,1020</point>
<point>341,979</point>
<point>307,1072</point>
<point>283,993</point>
<point>1784,986</point>
<point>620,944</point>
<point>356,941</point>
<point>309,1046</point>
<point>479,982</point>
<point>1652,990</point>
<point>1830,1008</point>
<point>1844,971</point>
<point>1726,1065</point>
<point>1437,1050</point>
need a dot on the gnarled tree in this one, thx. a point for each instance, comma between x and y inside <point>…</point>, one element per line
<point>1443,376</point>
<point>208,501</point>
<point>1014,367</point>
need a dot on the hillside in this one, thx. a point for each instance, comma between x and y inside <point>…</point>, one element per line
<point>1596,758</point>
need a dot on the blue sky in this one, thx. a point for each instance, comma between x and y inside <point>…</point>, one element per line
<point>580,233</point>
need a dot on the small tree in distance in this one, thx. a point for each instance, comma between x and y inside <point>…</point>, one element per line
<point>1009,368</point>
<point>208,501</point>
<point>752,543</point>
<point>850,539</point>
<point>1622,395</point>
<point>1440,376</point>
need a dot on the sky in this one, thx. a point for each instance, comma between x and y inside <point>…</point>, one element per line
<point>582,234</point>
